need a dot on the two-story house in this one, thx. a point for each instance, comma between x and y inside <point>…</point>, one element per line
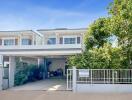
<point>39,47</point>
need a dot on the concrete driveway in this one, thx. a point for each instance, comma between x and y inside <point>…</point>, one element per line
<point>48,85</point>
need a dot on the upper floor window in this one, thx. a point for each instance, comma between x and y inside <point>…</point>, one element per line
<point>78,40</point>
<point>51,41</point>
<point>26,42</point>
<point>9,42</point>
<point>69,40</point>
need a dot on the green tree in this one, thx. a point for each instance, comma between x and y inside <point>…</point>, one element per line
<point>96,41</point>
<point>121,25</point>
<point>99,52</point>
<point>97,34</point>
<point>105,57</point>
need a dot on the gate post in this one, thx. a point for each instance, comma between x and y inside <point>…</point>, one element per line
<point>74,79</point>
<point>1,71</point>
<point>1,77</point>
<point>12,66</point>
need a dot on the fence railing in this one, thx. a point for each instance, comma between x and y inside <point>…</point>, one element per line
<point>104,76</point>
<point>97,76</point>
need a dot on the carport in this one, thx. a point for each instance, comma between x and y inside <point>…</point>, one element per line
<point>49,82</point>
<point>51,57</point>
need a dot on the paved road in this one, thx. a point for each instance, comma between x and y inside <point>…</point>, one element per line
<point>60,95</point>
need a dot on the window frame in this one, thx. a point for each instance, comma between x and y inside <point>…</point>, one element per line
<point>71,36</point>
<point>51,37</point>
<point>25,39</point>
<point>8,38</point>
<point>70,41</point>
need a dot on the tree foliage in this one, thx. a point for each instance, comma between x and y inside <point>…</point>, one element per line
<point>105,57</point>
<point>99,51</point>
<point>97,34</point>
<point>121,25</point>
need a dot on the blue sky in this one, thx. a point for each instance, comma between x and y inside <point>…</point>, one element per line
<point>43,14</point>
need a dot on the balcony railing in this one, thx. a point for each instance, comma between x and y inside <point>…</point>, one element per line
<point>35,47</point>
<point>41,50</point>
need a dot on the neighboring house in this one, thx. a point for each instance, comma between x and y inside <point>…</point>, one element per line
<point>40,47</point>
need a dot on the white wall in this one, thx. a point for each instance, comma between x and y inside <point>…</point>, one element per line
<point>1,77</point>
<point>104,88</point>
<point>57,63</point>
<point>30,60</point>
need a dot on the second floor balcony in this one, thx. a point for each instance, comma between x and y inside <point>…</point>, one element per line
<point>44,50</point>
<point>52,45</point>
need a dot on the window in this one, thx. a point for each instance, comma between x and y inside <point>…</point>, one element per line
<point>78,40</point>
<point>26,42</point>
<point>51,41</point>
<point>9,42</point>
<point>69,40</point>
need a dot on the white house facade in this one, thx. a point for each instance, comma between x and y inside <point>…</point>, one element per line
<point>39,47</point>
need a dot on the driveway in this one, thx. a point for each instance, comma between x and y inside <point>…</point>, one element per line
<point>48,85</point>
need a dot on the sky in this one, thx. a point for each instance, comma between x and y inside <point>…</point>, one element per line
<point>50,14</point>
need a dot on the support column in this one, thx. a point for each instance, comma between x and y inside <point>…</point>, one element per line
<point>57,38</point>
<point>33,38</point>
<point>20,40</point>
<point>1,71</point>
<point>74,79</point>
<point>45,68</point>
<point>12,66</point>
<point>40,61</point>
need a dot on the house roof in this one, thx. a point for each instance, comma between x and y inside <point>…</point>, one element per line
<point>38,32</point>
<point>62,29</point>
<point>20,32</point>
<point>16,32</point>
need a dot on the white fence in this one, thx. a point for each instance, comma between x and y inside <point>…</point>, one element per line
<point>82,79</point>
<point>105,76</point>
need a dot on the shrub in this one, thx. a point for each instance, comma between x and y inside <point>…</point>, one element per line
<point>28,73</point>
